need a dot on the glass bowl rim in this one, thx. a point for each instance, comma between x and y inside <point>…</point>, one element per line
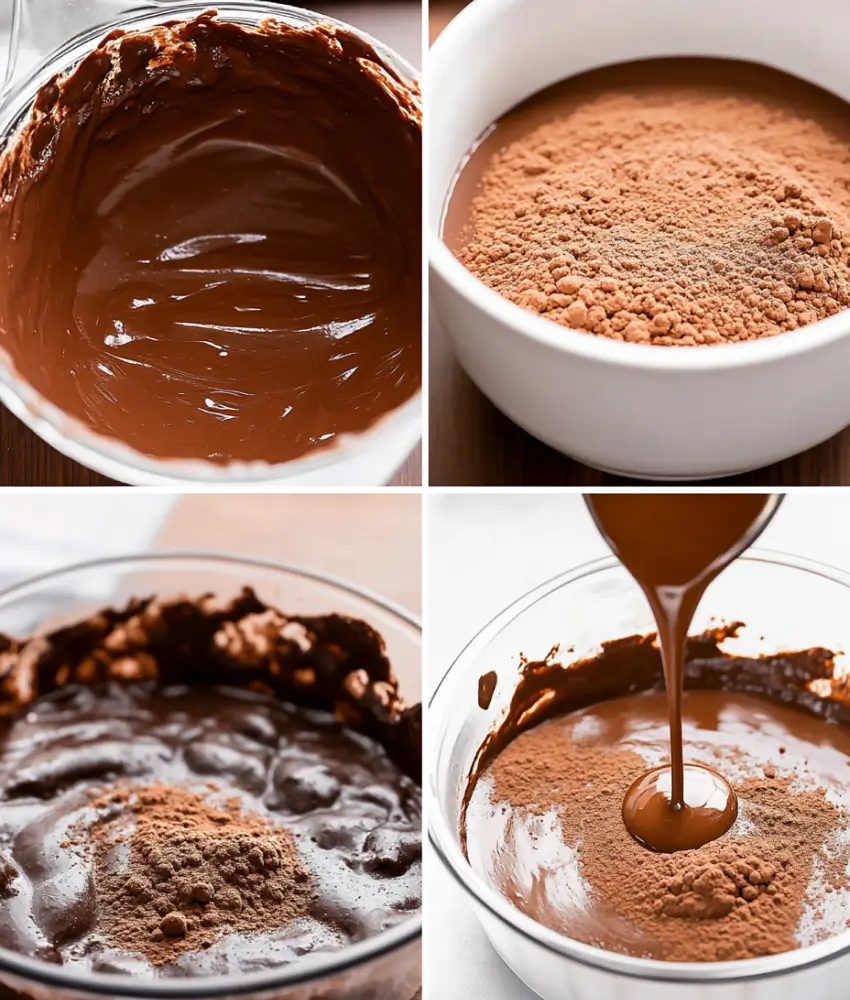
<point>199,987</point>
<point>447,848</point>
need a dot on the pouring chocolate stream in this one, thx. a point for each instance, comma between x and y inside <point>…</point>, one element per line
<point>674,545</point>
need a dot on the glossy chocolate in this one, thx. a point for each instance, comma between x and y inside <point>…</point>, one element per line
<point>805,679</point>
<point>210,241</point>
<point>674,545</point>
<point>708,810</point>
<point>182,692</point>
<point>353,814</point>
<point>521,851</point>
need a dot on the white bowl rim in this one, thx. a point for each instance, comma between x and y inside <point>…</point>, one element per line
<point>445,842</point>
<point>448,48</point>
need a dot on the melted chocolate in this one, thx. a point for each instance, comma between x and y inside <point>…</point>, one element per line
<point>487,688</point>
<point>334,758</point>
<point>521,852</point>
<point>674,545</point>
<point>210,240</point>
<point>548,688</point>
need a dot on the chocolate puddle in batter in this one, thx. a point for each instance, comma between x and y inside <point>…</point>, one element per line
<point>674,545</point>
<point>210,240</point>
<point>541,813</point>
<point>194,788</point>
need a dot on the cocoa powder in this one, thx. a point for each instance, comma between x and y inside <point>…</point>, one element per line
<point>8,874</point>
<point>739,897</point>
<point>193,872</point>
<point>671,202</point>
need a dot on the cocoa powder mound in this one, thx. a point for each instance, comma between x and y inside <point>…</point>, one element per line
<point>193,872</point>
<point>8,874</point>
<point>675,203</point>
<point>738,897</point>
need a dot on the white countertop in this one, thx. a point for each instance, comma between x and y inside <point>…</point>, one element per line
<point>485,551</point>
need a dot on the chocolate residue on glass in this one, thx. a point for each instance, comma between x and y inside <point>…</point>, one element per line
<point>487,688</point>
<point>148,753</point>
<point>329,662</point>
<point>210,240</point>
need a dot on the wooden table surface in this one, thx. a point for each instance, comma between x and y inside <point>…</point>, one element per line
<point>371,539</point>
<point>25,460</point>
<point>472,443</point>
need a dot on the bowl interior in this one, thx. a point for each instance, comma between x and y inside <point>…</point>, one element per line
<point>367,458</point>
<point>784,603</point>
<point>498,52</point>
<point>389,959</point>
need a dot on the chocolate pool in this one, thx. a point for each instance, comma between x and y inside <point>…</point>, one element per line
<point>210,239</point>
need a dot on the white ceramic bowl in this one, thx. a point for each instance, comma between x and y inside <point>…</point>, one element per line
<point>787,603</point>
<point>369,458</point>
<point>627,408</point>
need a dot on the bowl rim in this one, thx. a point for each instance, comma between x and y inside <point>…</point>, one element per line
<point>448,50</point>
<point>110,456</point>
<point>445,843</point>
<point>200,987</point>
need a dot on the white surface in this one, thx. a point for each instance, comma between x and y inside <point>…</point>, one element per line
<point>485,550</point>
<point>45,530</point>
<point>629,408</point>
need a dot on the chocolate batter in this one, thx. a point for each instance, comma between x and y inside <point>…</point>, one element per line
<point>293,722</point>
<point>210,240</point>
<point>541,819</point>
<point>674,545</point>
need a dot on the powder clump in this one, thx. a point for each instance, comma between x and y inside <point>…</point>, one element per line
<point>193,871</point>
<point>669,203</point>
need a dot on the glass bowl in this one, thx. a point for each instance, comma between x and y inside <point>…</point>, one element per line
<point>369,458</point>
<point>384,966</point>
<point>786,603</point>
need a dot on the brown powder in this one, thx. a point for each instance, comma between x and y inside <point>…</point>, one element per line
<point>8,875</point>
<point>194,872</point>
<point>739,897</point>
<point>680,202</point>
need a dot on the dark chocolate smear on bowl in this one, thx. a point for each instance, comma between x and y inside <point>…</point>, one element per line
<point>210,240</point>
<point>197,787</point>
<point>487,688</point>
